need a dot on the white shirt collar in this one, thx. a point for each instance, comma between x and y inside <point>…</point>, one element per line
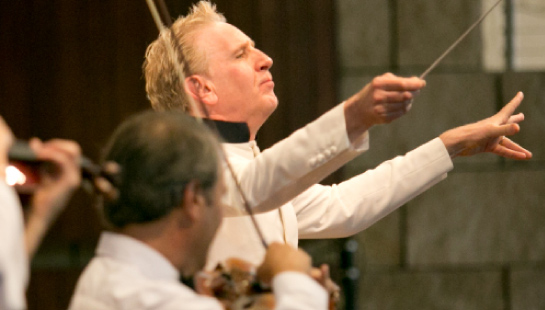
<point>131,251</point>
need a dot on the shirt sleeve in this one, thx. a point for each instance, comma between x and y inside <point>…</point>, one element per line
<point>13,260</point>
<point>353,205</point>
<point>294,290</point>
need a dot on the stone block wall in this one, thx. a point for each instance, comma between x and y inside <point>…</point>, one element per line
<point>477,239</point>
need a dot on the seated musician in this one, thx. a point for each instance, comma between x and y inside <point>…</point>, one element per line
<point>22,236</point>
<point>162,219</point>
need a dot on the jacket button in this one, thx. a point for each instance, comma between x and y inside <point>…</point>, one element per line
<point>320,158</point>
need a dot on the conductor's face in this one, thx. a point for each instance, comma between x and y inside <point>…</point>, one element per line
<point>238,74</point>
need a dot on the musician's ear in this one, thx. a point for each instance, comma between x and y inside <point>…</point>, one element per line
<point>192,206</point>
<point>201,89</point>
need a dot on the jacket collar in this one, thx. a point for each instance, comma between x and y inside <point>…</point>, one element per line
<point>230,132</point>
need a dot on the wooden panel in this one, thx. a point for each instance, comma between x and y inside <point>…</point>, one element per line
<point>51,289</point>
<point>72,69</point>
<point>14,82</point>
<point>298,36</point>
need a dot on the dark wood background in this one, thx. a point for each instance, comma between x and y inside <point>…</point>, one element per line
<point>72,69</point>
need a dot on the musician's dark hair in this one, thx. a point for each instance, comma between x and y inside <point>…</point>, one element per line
<point>158,153</point>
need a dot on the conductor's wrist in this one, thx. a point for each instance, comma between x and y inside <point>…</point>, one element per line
<point>454,146</point>
<point>356,125</point>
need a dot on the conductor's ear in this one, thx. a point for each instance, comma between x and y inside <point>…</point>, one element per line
<point>201,89</point>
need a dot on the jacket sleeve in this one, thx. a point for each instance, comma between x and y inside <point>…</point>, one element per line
<point>294,164</point>
<point>353,205</point>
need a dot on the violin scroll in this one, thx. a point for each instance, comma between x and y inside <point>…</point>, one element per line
<point>28,169</point>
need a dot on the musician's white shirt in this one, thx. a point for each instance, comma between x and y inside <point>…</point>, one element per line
<point>126,274</point>
<point>14,268</point>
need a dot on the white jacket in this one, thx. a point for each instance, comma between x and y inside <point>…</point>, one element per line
<point>285,175</point>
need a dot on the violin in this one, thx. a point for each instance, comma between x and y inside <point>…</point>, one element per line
<point>234,283</point>
<point>25,170</point>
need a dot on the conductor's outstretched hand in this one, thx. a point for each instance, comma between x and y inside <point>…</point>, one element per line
<point>489,135</point>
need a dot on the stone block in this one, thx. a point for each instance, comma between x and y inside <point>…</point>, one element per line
<point>349,85</point>
<point>363,33</point>
<point>448,101</point>
<point>479,218</point>
<point>428,27</point>
<point>322,251</point>
<point>527,288</point>
<point>325,251</point>
<point>379,151</point>
<point>379,245</point>
<point>431,290</point>
<point>533,107</point>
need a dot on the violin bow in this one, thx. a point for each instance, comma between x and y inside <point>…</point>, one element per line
<point>178,60</point>
<point>453,45</point>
